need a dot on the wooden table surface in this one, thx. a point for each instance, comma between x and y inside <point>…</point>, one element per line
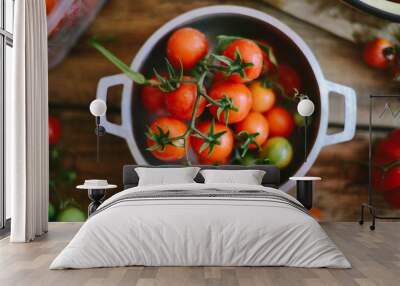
<point>72,85</point>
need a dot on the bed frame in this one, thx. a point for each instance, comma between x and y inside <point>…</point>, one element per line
<point>271,177</point>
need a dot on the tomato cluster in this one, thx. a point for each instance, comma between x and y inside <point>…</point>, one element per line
<point>235,115</point>
<point>386,171</point>
<point>383,54</point>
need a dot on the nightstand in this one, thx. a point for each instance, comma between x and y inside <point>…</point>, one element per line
<point>305,190</point>
<point>96,191</point>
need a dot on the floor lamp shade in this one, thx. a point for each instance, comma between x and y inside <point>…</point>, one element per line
<point>98,107</point>
<point>305,107</point>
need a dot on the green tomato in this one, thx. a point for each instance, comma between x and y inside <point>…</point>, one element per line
<point>69,176</point>
<point>55,154</point>
<point>71,214</point>
<point>278,151</point>
<point>52,212</point>
<point>248,160</point>
<point>299,120</point>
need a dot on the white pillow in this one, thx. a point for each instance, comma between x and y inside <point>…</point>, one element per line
<point>164,176</point>
<point>248,177</point>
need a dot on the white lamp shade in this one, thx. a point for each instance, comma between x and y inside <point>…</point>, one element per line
<point>98,107</point>
<point>305,107</point>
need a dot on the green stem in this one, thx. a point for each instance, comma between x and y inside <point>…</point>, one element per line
<point>210,99</point>
<point>134,75</point>
<point>384,167</point>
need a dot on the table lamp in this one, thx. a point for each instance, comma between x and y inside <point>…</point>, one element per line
<point>305,108</point>
<point>98,108</point>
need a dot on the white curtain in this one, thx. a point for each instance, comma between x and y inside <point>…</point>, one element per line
<point>27,166</point>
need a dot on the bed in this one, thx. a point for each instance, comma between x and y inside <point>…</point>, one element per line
<point>201,224</point>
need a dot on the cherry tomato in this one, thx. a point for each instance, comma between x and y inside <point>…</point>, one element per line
<point>280,122</point>
<point>240,95</point>
<point>152,98</point>
<point>393,198</point>
<point>54,130</point>
<point>267,64</point>
<point>391,179</point>
<point>374,53</point>
<point>289,79</point>
<point>255,122</point>
<point>71,213</point>
<point>263,97</point>
<point>385,152</point>
<point>250,52</point>
<point>218,78</point>
<point>221,152</point>
<point>186,46</point>
<point>175,128</point>
<point>50,6</point>
<point>315,213</point>
<point>395,135</point>
<point>278,150</point>
<point>180,102</point>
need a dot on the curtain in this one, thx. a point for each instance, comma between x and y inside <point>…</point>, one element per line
<point>26,124</point>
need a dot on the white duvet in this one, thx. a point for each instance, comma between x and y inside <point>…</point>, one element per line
<point>200,231</point>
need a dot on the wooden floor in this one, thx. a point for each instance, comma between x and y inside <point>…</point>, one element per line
<point>375,257</point>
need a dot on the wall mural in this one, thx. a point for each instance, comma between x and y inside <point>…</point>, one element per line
<point>211,89</point>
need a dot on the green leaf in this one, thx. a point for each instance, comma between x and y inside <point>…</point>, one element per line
<point>153,147</point>
<point>170,69</point>
<point>212,127</point>
<point>218,135</point>
<point>223,42</point>
<point>238,56</point>
<point>210,150</point>
<point>134,75</point>
<point>223,59</point>
<point>203,147</point>
<point>226,118</point>
<point>219,111</point>
<point>270,53</point>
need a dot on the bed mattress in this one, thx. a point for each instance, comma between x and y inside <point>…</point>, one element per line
<point>201,225</point>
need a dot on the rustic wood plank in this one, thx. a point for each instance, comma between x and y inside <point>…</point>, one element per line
<point>130,23</point>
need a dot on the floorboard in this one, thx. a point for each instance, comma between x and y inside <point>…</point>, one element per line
<point>375,257</point>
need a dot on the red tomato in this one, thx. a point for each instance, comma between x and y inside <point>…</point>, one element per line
<point>393,199</point>
<point>289,79</point>
<point>395,135</point>
<point>391,179</point>
<point>54,130</point>
<point>180,102</point>
<point>175,128</point>
<point>263,97</point>
<point>186,46</point>
<point>267,64</point>
<point>386,151</point>
<point>255,122</point>
<point>315,213</point>
<point>152,98</point>
<point>240,95</point>
<point>221,152</point>
<point>280,122</point>
<point>373,53</point>
<point>250,53</point>
<point>218,78</point>
<point>50,6</point>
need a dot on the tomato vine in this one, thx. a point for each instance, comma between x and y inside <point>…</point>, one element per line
<point>211,64</point>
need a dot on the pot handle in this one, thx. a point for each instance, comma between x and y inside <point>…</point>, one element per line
<point>102,88</point>
<point>350,101</point>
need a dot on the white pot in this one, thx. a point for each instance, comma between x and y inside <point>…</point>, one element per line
<point>214,20</point>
